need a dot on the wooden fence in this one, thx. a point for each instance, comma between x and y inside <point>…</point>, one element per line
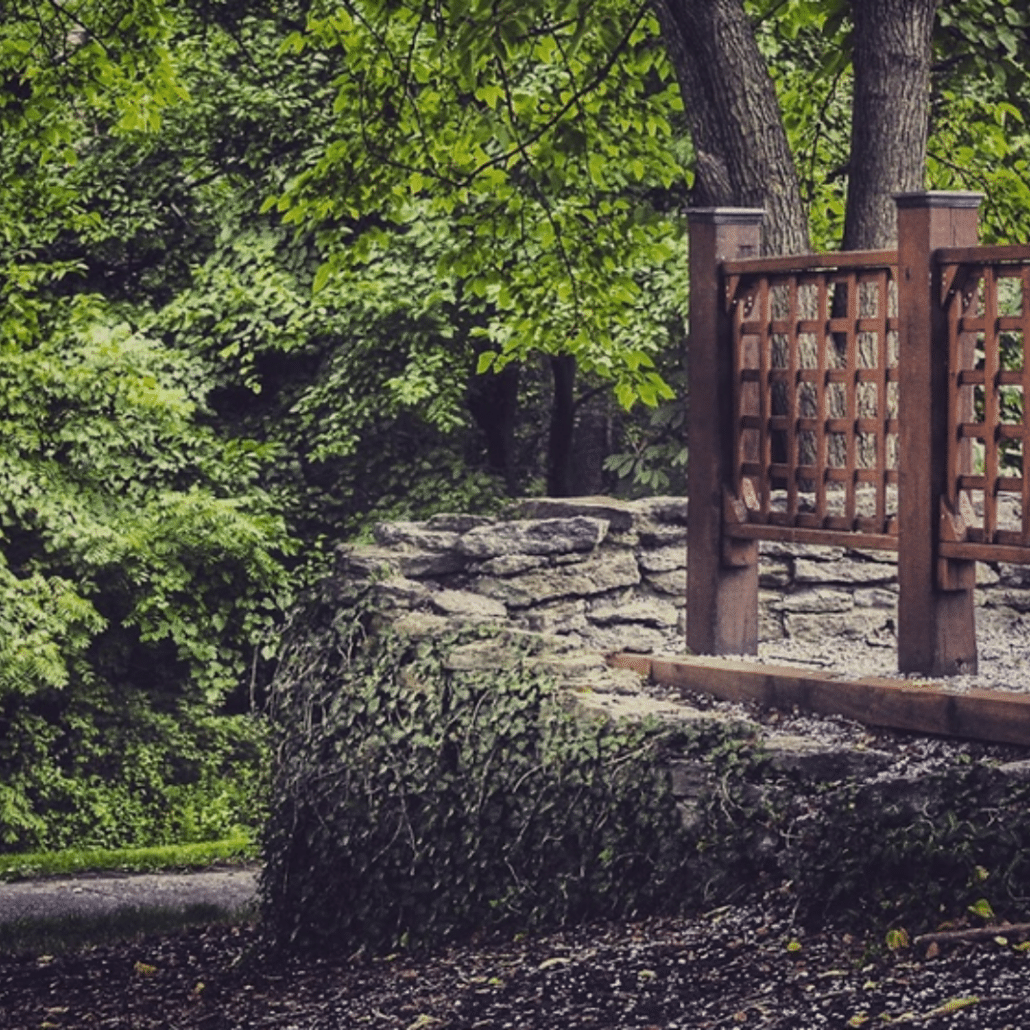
<point>867,400</point>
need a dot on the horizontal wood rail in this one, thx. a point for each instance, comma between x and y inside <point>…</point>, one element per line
<point>989,715</point>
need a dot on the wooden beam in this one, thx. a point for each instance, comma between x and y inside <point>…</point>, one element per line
<point>990,715</point>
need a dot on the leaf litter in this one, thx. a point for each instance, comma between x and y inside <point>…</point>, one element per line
<point>732,968</point>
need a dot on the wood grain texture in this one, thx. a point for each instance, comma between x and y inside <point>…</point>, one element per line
<point>995,716</point>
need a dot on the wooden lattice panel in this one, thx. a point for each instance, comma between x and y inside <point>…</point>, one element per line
<point>986,296</point>
<point>815,397</point>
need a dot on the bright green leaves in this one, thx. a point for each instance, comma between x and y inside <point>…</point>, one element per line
<point>979,139</point>
<point>109,482</point>
<point>528,140</point>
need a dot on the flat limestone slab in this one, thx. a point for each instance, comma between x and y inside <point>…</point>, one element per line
<point>104,894</point>
<point>992,715</point>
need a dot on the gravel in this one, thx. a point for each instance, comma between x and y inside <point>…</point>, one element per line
<point>1003,646</point>
<point>734,967</point>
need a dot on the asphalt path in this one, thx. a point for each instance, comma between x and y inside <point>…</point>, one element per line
<point>99,894</point>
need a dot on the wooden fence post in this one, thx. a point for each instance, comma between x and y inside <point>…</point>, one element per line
<point>722,575</point>
<point>936,627</point>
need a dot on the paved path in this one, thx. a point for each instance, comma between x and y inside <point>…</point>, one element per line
<point>104,893</point>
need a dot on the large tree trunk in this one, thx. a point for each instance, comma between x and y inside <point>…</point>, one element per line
<point>890,115</point>
<point>742,155</point>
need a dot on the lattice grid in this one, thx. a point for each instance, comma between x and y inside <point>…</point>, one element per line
<point>816,394</point>
<point>987,302</point>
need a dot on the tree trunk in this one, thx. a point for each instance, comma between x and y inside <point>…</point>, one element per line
<point>742,155</point>
<point>890,115</point>
<point>493,400</point>
<point>563,417</point>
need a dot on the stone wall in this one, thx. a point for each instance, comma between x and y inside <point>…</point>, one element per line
<point>570,581</point>
<point>607,575</point>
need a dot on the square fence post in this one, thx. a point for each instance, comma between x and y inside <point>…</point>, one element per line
<point>936,626</point>
<point>722,575</point>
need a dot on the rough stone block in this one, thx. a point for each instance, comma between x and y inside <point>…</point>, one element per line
<point>562,617</point>
<point>533,536</point>
<point>817,601</point>
<point>413,534</point>
<point>617,513</point>
<point>808,571</point>
<point>858,624</point>
<point>657,534</point>
<point>985,575</point>
<point>455,522</point>
<point>421,625</point>
<point>662,559</point>
<point>482,656</point>
<point>1013,575</point>
<point>599,575</point>
<point>403,592</point>
<point>775,575</point>
<point>811,552</point>
<point>659,614</point>
<point>357,562</point>
<point>876,597</point>
<point>673,584</point>
<point>817,760</point>
<point>1016,600</point>
<point>874,555</point>
<point>668,510</point>
<point>633,637</point>
<point>468,606</point>
<point>511,564</point>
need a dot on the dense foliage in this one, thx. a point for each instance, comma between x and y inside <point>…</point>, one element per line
<point>450,801</point>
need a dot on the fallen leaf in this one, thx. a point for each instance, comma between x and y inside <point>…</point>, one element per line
<point>421,1021</point>
<point>954,1005</point>
<point>934,950</point>
<point>144,969</point>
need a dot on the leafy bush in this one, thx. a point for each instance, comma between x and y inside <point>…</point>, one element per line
<point>141,568</point>
<point>414,802</point>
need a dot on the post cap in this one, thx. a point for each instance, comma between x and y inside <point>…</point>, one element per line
<point>726,215</point>
<point>939,198</point>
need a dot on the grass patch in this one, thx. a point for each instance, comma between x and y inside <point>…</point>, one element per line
<point>58,936</point>
<point>233,851</point>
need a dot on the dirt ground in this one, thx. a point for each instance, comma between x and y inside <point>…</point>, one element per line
<point>747,967</point>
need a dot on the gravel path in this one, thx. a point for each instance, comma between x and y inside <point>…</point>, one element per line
<point>1003,644</point>
<point>106,893</point>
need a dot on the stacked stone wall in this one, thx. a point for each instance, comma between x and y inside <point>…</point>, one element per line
<point>570,581</point>
<point>605,575</point>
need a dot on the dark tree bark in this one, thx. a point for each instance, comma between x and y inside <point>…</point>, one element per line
<point>493,400</point>
<point>742,155</point>
<point>890,115</point>
<point>563,417</point>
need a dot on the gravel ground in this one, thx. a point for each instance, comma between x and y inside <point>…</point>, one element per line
<point>736,967</point>
<point>1003,645</point>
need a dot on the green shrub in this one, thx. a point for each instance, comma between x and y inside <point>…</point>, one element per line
<point>414,802</point>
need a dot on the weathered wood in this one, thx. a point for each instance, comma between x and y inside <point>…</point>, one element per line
<point>722,581</point>
<point>974,933</point>
<point>995,716</point>
<point>830,262</point>
<point>826,537</point>
<point>936,628</point>
<point>974,255</point>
